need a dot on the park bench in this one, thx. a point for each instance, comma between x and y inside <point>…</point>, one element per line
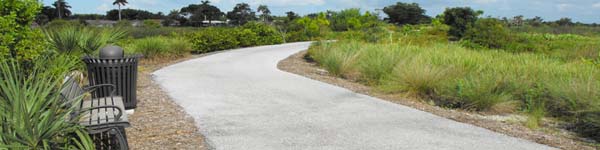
<point>103,117</point>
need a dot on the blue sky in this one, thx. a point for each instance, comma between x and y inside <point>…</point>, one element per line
<point>587,11</point>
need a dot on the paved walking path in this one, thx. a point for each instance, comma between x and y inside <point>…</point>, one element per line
<point>241,101</point>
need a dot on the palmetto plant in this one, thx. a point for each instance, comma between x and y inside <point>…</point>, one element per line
<point>74,40</point>
<point>32,113</point>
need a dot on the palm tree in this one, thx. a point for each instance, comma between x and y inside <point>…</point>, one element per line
<point>62,8</point>
<point>119,3</point>
<point>265,12</point>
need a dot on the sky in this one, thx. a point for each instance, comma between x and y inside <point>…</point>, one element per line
<point>586,11</point>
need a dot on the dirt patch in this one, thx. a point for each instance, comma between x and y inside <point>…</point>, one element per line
<point>510,125</point>
<point>158,122</point>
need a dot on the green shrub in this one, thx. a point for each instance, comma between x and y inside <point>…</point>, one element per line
<point>268,35</point>
<point>136,32</point>
<point>18,40</point>
<point>213,39</point>
<point>246,37</point>
<point>488,32</point>
<point>222,38</point>
<point>151,24</point>
<point>296,36</point>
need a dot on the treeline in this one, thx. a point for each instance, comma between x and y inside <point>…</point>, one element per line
<point>194,15</point>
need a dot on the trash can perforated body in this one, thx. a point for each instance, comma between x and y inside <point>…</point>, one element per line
<point>121,72</point>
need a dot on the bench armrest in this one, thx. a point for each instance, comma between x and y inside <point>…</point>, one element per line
<point>93,88</point>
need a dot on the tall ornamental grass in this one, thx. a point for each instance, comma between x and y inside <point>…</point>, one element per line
<point>32,113</point>
<point>159,46</point>
<point>491,80</point>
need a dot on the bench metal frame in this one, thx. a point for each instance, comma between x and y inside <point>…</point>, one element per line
<point>108,134</point>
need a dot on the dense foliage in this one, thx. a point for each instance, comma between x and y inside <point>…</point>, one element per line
<point>488,32</point>
<point>404,13</point>
<point>32,114</point>
<point>241,14</point>
<point>460,19</point>
<point>352,19</point>
<point>198,13</point>
<point>251,34</point>
<point>18,40</point>
<point>132,14</point>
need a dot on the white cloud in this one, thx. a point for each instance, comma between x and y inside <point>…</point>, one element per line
<point>596,5</point>
<point>563,7</point>
<point>103,8</point>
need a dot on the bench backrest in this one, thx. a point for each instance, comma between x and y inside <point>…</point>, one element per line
<point>71,90</point>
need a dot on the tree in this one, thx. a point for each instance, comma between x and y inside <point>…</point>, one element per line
<point>172,17</point>
<point>488,32</point>
<point>241,14</point>
<point>62,8</point>
<point>313,26</point>
<point>564,22</point>
<point>404,13</point>
<point>199,13</point>
<point>265,13</point>
<point>131,14</point>
<point>347,19</point>
<point>460,19</point>
<point>46,15</point>
<point>120,3</point>
<point>535,21</point>
<point>517,21</point>
<point>291,16</point>
<point>351,19</point>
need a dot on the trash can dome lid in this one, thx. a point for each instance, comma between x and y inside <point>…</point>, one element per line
<point>111,51</point>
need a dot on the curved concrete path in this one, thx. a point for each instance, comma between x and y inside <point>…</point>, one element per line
<point>241,101</point>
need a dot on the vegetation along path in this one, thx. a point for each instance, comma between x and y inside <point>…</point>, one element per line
<point>240,100</point>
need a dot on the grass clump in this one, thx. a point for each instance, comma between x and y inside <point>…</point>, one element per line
<point>159,46</point>
<point>493,81</point>
<point>339,61</point>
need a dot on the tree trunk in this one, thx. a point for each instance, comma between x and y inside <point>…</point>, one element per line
<point>119,11</point>
<point>58,9</point>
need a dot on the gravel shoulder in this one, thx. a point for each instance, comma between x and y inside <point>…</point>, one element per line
<point>158,122</point>
<point>508,125</point>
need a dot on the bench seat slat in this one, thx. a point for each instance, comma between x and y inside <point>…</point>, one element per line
<point>102,115</point>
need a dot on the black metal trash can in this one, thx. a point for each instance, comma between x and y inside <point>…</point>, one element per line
<point>121,72</point>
